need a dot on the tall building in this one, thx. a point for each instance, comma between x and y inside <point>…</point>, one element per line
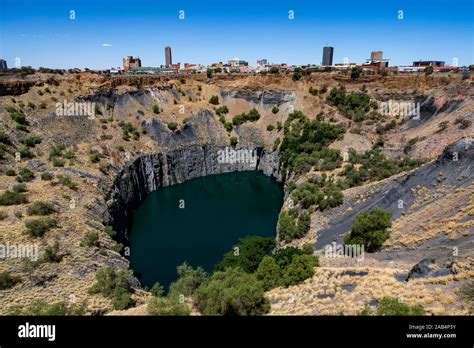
<point>129,62</point>
<point>376,55</point>
<point>168,59</point>
<point>262,62</point>
<point>328,53</point>
<point>3,64</point>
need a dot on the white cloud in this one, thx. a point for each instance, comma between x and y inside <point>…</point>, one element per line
<point>106,45</point>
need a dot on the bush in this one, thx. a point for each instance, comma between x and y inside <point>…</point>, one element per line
<point>269,273</point>
<point>370,229</point>
<point>25,153</point>
<point>172,126</point>
<point>66,181</point>
<point>251,251</point>
<point>38,227</point>
<point>70,154</point>
<point>51,253</point>
<point>94,157</point>
<point>353,105</point>
<point>232,292</point>
<point>42,308</point>
<point>222,110</point>
<point>10,172</point>
<point>313,91</point>
<point>300,269</point>
<point>252,116</point>
<point>293,225</point>
<point>228,127</point>
<point>167,307</point>
<point>233,141</point>
<point>91,239</point>
<point>189,280</point>
<point>8,281</point>
<point>157,290</point>
<point>12,198</point>
<point>46,176</point>
<point>270,127</point>
<point>214,100</point>
<point>116,285</point>
<point>4,138</point>
<point>41,208</point>
<point>19,117</point>
<point>275,110</point>
<point>392,306</point>
<point>31,141</point>
<point>156,109</point>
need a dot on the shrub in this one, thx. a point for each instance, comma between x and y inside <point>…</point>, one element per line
<point>46,176</point>
<point>31,141</point>
<point>214,100</point>
<point>42,308</point>
<point>228,127</point>
<point>41,208</point>
<point>252,116</point>
<point>19,188</point>
<point>275,110</point>
<point>270,127</point>
<point>31,105</point>
<point>56,151</point>
<point>189,280</point>
<point>167,307</point>
<point>4,138</point>
<point>283,257</point>
<point>91,239</point>
<point>232,292</point>
<point>172,126</point>
<point>353,105</point>
<point>94,157</point>
<point>313,91</point>
<point>38,227</point>
<point>157,290</point>
<point>370,229</point>
<point>26,153</point>
<point>293,225</point>
<point>269,273</point>
<point>392,306</point>
<point>233,141</point>
<point>8,281</point>
<point>51,253</point>
<point>222,110</point>
<point>66,181</point>
<point>156,109</point>
<point>25,175</point>
<point>70,154</point>
<point>19,117</point>
<point>10,172</point>
<point>300,269</point>
<point>116,285</point>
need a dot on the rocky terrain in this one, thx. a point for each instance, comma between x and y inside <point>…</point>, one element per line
<point>149,132</point>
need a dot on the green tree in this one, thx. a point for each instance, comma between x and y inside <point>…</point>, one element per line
<point>167,307</point>
<point>232,292</point>
<point>269,273</point>
<point>189,280</point>
<point>392,306</point>
<point>247,253</point>
<point>300,269</point>
<point>214,100</point>
<point>370,229</point>
<point>157,290</point>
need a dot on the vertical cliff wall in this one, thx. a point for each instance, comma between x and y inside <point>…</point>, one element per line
<point>148,173</point>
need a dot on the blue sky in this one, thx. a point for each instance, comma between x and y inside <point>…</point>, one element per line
<point>41,33</point>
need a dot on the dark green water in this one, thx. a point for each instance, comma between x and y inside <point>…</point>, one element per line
<point>218,210</point>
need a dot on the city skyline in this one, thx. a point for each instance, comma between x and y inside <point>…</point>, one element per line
<point>98,36</point>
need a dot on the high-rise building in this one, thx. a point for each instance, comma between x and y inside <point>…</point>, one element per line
<point>129,62</point>
<point>376,55</point>
<point>168,58</point>
<point>328,53</point>
<point>3,64</point>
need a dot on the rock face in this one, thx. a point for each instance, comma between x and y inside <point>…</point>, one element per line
<point>427,268</point>
<point>150,172</point>
<point>268,98</point>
